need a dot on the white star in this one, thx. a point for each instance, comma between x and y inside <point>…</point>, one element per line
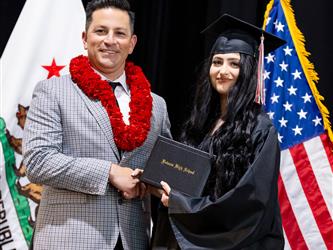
<point>266,75</point>
<point>283,122</point>
<point>275,98</point>
<point>268,20</point>
<point>317,121</point>
<point>283,66</point>
<point>279,82</point>
<point>271,115</point>
<point>302,114</point>
<point>279,27</point>
<point>275,23</point>
<point>307,98</point>
<point>292,90</point>
<point>297,74</point>
<point>280,137</point>
<point>287,51</point>
<point>287,106</point>
<point>269,58</point>
<point>297,130</point>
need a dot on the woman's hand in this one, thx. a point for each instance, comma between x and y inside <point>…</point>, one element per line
<point>166,193</point>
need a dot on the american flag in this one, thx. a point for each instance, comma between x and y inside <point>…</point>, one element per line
<point>294,105</point>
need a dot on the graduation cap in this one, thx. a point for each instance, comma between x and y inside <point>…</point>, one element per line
<point>238,36</point>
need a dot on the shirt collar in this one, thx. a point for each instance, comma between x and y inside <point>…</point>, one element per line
<point>121,79</point>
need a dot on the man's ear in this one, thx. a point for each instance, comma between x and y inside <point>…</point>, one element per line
<point>84,39</point>
<point>133,42</point>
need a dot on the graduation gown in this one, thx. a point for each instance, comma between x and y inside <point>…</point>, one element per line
<point>246,217</point>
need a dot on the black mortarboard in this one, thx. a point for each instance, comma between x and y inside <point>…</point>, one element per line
<point>236,35</point>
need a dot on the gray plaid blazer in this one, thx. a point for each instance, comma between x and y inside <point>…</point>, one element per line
<point>68,147</point>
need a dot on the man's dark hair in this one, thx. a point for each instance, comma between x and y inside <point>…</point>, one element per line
<point>102,4</point>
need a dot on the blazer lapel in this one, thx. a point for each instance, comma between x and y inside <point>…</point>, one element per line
<point>102,118</point>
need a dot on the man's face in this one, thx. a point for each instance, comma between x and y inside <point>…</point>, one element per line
<point>109,41</point>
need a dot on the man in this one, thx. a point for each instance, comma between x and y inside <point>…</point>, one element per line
<point>83,140</point>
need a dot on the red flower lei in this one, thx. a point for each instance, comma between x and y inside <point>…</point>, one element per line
<point>126,137</point>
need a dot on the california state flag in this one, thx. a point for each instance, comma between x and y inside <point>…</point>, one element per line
<point>46,36</point>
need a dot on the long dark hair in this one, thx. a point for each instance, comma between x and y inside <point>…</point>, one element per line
<point>231,143</point>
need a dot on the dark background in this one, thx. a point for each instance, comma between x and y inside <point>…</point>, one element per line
<point>170,46</point>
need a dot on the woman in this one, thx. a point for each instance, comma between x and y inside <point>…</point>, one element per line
<point>239,208</point>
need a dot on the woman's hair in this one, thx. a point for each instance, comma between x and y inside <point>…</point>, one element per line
<point>231,143</point>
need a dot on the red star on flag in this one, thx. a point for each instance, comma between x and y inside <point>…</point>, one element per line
<point>53,69</point>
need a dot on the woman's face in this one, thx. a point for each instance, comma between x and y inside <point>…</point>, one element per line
<point>224,72</point>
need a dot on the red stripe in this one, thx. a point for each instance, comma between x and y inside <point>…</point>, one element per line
<point>328,148</point>
<point>312,193</point>
<point>289,222</point>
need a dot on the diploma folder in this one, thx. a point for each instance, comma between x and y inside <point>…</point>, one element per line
<point>184,168</point>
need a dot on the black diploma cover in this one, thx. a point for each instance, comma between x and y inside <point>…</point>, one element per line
<point>183,167</point>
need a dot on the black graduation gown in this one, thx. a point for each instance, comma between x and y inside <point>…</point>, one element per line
<point>246,217</point>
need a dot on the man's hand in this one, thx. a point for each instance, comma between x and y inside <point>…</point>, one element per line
<point>122,179</point>
<point>142,187</point>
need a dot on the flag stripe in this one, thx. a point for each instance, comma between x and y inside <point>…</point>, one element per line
<point>286,242</point>
<point>302,211</point>
<point>20,202</point>
<point>321,169</point>
<point>328,148</point>
<point>293,234</point>
<point>312,192</point>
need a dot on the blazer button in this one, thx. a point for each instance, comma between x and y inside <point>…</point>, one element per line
<point>120,201</point>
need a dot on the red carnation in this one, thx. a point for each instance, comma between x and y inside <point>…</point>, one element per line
<point>126,137</point>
